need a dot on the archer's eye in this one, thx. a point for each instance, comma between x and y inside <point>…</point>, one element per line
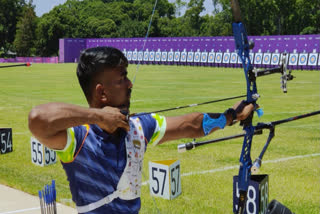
<point>122,79</point>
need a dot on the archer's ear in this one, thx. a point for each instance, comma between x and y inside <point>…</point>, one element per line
<point>101,94</point>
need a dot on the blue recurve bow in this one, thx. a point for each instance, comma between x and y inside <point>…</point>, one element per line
<point>243,47</point>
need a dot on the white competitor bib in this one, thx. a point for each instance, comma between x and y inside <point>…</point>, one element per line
<point>129,186</point>
<point>130,182</point>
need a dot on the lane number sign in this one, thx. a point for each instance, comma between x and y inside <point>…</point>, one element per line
<point>40,154</point>
<point>165,179</point>
<point>6,140</point>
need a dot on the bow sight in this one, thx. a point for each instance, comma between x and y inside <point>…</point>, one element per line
<point>282,69</point>
<point>285,76</point>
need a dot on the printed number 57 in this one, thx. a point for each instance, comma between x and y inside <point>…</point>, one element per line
<point>156,191</point>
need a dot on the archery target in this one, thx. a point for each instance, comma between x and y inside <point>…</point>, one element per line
<point>233,58</point>
<point>258,58</point>
<point>313,59</point>
<point>170,56</point>
<point>177,56</point>
<point>146,56</point>
<point>190,56</point>
<point>196,57</point>
<point>140,55</point>
<point>183,57</point>
<point>204,56</point>
<point>211,57</point>
<point>293,59</point>
<point>158,56</point>
<point>218,57</point>
<point>303,59</point>
<point>251,56</point>
<point>151,56</point>
<point>266,58</point>
<point>134,55</point>
<point>164,56</point>
<point>226,58</point>
<point>129,57</point>
<point>275,58</point>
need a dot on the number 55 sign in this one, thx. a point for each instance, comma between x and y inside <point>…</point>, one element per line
<point>40,154</point>
<point>164,178</point>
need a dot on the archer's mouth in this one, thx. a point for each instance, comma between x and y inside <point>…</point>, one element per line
<point>126,104</point>
<point>129,97</point>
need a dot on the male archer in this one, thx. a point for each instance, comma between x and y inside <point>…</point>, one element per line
<point>100,148</point>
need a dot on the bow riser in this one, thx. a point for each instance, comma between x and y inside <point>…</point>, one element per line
<point>245,159</point>
<point>243,47</point>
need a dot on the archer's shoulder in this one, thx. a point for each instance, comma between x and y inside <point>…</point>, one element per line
<point>149,118</point>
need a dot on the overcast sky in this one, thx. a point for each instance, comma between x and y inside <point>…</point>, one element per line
<point>44,6</point>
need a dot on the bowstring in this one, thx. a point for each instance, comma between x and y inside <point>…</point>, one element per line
<point>134,79</point>
<point>144,42</point>
<point>148,183</point>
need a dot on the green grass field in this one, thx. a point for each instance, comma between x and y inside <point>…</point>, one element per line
<point>295,182</point>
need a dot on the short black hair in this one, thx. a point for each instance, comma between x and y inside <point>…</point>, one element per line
<point>95,60</point>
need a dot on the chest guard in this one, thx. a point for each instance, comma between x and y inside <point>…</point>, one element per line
<point>129,186</point>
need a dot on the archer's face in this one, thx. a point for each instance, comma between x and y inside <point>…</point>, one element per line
<point>117,87</point>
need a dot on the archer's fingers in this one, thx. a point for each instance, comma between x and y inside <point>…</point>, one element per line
<point>124,125</point>
<point>240,106</point>
<point>123,118</point>
<point>235,106</point>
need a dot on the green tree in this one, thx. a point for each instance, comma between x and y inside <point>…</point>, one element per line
<point>307,17</point>
<point>105,28</point>
<point>170,27</point>
<point>192,15</point>
<point>285,16</point>
<point>132,28</point>
<point>219,25</point>
<point>281,17</point>
<point>130,18</point>
<point>49,31</point>
<point>10,11</point>
<point>179,4</point>
<point>25,35</point>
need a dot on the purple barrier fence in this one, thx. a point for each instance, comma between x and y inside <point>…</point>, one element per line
<point>30,59</point>
<point>293,44</point>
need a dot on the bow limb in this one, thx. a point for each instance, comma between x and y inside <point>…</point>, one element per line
<point>236,10</point>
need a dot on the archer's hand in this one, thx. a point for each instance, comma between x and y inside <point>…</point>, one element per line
<point>243,109</point>
<point>112,119</point>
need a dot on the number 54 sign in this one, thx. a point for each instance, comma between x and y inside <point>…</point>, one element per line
<point>40,154</point>
<point>165,179</point>
<point>5,140</point>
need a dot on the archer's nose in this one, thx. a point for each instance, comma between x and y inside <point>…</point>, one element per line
<point>129,84</point>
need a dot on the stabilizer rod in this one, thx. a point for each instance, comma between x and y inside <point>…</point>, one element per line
<point>258,130</point>
<point>9,66</point>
